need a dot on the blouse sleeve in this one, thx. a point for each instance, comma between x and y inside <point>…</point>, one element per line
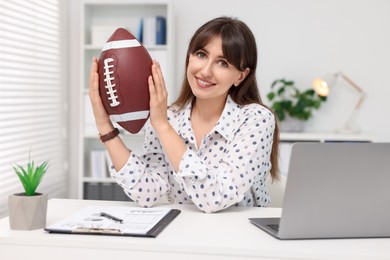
<point>246,156</point>
<point>144,178</point>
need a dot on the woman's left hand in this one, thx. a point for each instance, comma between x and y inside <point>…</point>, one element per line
<point>158,99</point>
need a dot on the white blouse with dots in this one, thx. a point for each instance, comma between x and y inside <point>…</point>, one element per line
<point>229,168</point>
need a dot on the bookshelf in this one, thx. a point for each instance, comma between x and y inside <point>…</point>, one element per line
<point>99,19</point>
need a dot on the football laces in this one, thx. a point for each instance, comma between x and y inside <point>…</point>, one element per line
<point>109,82</point>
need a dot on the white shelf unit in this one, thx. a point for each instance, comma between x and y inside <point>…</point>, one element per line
<point>115,14</point>
<point>287,139</point>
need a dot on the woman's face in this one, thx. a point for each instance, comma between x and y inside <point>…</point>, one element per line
<point>209,74</point>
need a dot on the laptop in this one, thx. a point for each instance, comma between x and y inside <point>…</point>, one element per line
<point>334,190</point>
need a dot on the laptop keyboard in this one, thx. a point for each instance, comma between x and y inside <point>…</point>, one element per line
<point>274,227</point>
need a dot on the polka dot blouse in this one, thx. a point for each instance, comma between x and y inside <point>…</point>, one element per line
<point>228,168</point>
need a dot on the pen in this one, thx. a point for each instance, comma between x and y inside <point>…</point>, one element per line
<point>106,215</point>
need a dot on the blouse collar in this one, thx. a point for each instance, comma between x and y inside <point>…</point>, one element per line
<point>227,124</point>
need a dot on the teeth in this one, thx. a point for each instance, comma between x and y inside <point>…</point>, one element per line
<point>204,83</point>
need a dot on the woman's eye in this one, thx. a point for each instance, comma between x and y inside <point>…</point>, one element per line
<point>201,54</point>
<point>223,63</point>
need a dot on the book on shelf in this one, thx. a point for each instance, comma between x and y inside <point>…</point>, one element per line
<point>161,30</point>
<point>107,191</point>
<point>89,118</point>
<point>153,30</point>
<point>91,191</point>
<point>140,29</point>
<point>104,191</point>
<point>99,163</point>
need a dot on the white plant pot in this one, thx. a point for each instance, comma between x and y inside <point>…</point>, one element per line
<point>290,124</point>
<point>27,212</point>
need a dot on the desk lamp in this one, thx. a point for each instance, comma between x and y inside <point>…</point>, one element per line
<point>323,86</point>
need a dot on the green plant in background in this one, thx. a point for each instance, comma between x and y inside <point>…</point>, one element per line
<point>286,98</point>
<point>31,176</point>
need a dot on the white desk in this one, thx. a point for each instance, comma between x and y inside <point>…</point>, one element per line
<point>192,235</point>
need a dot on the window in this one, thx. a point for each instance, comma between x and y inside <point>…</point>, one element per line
<point>32,95</point>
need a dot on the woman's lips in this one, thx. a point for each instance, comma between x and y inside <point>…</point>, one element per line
<point>203,83</point>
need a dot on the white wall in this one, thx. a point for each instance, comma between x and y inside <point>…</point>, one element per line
<point>303,39</point>
<point>297,39</point>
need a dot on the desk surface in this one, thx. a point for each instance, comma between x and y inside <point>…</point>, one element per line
<point>193,235</point>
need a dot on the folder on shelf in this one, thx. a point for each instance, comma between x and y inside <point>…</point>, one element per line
<point>92,191</point>
<point>139,32</point>
<point>99,162</point>
<point>161,30</point>
<point>120,221</point>
<point>154,30</point>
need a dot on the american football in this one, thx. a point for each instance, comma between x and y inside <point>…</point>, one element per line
<point>124,68</point>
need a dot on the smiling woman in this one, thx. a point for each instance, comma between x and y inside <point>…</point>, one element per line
<point>209,70</point>
<point>216,145</point>
<point>32,98</point>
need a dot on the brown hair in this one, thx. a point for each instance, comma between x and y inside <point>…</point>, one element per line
<point>239,49</point>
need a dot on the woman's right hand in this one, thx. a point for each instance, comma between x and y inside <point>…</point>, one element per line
<point>117,150</point>
<point>102,119</point>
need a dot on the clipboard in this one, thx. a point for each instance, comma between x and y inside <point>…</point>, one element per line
<point>116,221</point>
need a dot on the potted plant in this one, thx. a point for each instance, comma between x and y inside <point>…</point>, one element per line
<point>27,210</point>
<point>292,106</point>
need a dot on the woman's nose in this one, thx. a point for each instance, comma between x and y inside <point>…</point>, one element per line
<point>207,70</point>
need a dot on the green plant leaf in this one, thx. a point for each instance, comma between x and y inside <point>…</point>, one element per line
<point>309,92</point>
<point>32,176</point>
<point>22,174</point>
<point>286,104</point>
<point>288,82</point>
<point>316,104</point>
<point>271,96</point>
<point>322,98</point>
<point>274,83</point>
<point>276,106</point>
<point>280,114</point>
<point>281,91</point>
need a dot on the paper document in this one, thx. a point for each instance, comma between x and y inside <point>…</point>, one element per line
<point>114,220</point>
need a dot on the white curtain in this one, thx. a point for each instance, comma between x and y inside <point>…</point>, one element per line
<point>32,95</point>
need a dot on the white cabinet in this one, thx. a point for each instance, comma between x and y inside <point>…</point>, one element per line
<point>99,19</point>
